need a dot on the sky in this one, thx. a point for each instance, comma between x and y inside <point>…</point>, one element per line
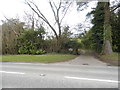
<point>16,8</point>
<point>13,8</point>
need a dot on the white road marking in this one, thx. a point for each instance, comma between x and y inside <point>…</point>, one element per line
<point>12,72</point>
<point>90,79</point>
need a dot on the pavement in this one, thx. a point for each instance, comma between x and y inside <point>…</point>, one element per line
<point>82,72</point>
<point>85,60</point>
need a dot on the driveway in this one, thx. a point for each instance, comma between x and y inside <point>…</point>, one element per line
<point>84,60</point>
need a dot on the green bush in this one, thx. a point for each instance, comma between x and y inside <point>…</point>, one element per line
<point>40,51</point>
<point>22,50</point>
<point>31,51</point>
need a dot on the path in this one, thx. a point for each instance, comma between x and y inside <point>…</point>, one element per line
<point>85,60</point>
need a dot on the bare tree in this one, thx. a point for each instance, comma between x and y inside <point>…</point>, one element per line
<point>11,30</point>
<point>56,12</point>
<point>15,23</point>
<point>30,20</point>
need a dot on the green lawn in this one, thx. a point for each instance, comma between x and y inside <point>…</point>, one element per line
<point>50,58</point>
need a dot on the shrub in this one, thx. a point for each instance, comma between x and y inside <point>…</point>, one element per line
<point>40,51</point>
<point>31,51</point>
<point>22,50</point>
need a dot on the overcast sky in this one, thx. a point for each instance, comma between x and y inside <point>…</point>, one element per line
<point>13,8</point>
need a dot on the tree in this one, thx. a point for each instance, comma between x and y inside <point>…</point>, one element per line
<point>115,23</point>
<point>87,40</point>
<point>97,29</point>
<point>32,41</point>
<point>11,30</point>
<point>65,37</point>
<point>107,48</point>
<point>66,32</point>
<point>74,44</point>
<point>107,34</point>
<point>30,20</point>
<point>56,12</point>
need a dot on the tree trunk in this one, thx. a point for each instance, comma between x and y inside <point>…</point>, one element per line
<point>107,47</point>
<point>59,42</point>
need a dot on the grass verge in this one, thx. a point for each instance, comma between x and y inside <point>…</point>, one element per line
<point>112,58</point>
<point>38,58</point>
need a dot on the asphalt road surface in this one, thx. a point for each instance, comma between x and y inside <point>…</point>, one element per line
<point>28,75</point>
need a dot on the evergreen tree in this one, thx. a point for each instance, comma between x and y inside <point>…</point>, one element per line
<point>97,29</point>
<point>115,23</point>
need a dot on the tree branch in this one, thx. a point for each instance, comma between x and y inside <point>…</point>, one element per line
<point>65,12</point>
<point>116,7</point>
<point>40,15</point>
<point>11,27</point>
<point>53,10</point>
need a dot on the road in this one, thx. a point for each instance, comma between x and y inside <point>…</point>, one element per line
<point>36,75</point>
